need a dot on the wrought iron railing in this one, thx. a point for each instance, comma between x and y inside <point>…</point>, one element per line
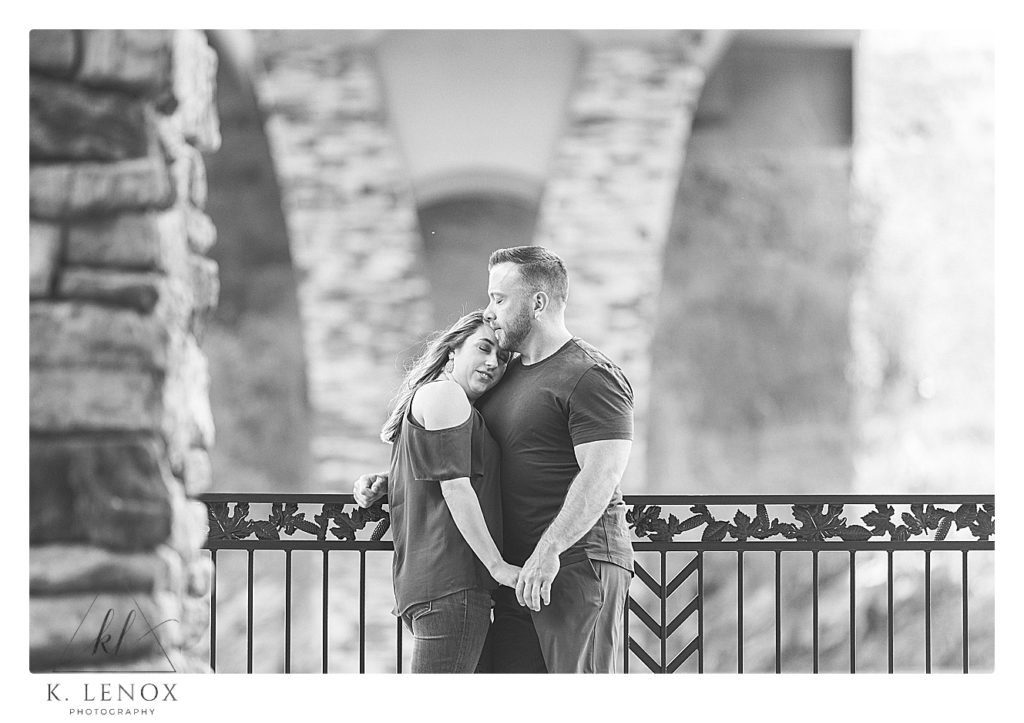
<point>695,528</point>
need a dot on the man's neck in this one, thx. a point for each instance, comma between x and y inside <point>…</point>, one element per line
<point>542,342</point>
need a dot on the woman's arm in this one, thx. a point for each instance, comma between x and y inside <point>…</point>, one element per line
<point>465,508</point>
<point>443,405</point>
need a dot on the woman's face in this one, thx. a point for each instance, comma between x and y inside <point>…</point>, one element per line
<point>479,363</point>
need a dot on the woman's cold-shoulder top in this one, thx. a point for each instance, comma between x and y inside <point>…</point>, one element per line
<point>432,558</point>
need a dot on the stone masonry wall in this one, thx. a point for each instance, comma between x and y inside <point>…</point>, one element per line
<point>351,218</point>
<point>120,289</point>
<point>608,200</point>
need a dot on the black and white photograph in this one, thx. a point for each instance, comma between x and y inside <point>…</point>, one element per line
<point>358,355</point>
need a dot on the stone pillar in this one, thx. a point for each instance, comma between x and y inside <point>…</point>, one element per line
<point>923,318</point>
<point>351,218</point>
<point>120,289</point>
<point>608,201</point>
<point>754,332</point>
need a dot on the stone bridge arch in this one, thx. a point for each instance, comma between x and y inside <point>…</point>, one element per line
<point>370,143</point>
<point>398,176</point>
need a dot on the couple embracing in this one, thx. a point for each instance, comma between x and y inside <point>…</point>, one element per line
<point>509,439</point>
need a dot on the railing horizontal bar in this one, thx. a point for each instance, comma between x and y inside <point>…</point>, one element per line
<point>787,545</point>
<point>645,617</point>
<point>679,546</point>
<point>297,545</point>
<point>683,656</point>
<point>852,499</point>
<point>310,498</point>
<point>644,657</point>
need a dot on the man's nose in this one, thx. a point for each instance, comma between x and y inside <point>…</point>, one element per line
<point>488,314</point>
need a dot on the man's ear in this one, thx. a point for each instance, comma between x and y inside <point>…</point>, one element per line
<point>540,302</point>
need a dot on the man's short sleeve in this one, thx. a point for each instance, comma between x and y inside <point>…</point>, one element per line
<point>601,406</point>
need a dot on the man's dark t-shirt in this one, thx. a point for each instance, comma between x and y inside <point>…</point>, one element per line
<point>537,415</point>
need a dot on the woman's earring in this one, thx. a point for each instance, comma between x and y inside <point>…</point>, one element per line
<point>450,366</point>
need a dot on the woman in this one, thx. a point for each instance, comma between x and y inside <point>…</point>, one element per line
<point>444,498</point>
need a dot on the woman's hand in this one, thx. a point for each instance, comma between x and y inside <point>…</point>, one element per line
<point>506,574</point>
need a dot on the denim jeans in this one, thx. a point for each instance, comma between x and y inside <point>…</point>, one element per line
<point>449,632</point>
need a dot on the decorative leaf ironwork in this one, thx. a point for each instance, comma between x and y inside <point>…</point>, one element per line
<point>815,523</point>
<point>285,517</point>
<point>224,526</point>
<point>811,523</point>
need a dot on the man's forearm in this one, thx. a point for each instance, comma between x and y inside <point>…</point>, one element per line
<point>601,467</point>
<point>585,502</point>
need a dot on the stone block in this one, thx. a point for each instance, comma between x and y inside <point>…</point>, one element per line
<point>138,290</point>
<point>65,190</point>
<point>199,577</point>
<point>52,51</point>
<point>75,334</point>
<point>197,474</point>
<point>70,121</point>
<point>188,420</point>
<point>202,234</point>
<point>94,399</point>
<point>62,569</point>
<point>194,88</point>
<point>43,257</point>
<point>156,241</point>
<point>205,290</point>
<point>69,631</point>
<point>205,282</point>
<point>137,60</point>
<point>112,491</point>
<point>191,527</point>
<point>189,174</point>
<point>195,621</point>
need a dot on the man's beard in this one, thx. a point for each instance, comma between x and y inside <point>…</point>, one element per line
<point>515,331</point>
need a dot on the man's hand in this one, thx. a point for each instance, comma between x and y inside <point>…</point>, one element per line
<point>534,585</point>
<point>369,488</point>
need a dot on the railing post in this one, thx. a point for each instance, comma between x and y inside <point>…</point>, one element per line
<point>213,612</point>
<point>288,611</point>
<point>325,612</point>
<point>814,606</point>
<point>889,595</point>
<point>853,611</point>
<point>249,612</point>
<point>739,611</point>
<point>927,611</point>
<point>965,634</point>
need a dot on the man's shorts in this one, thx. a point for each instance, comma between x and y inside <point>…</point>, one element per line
<point>580,631</point>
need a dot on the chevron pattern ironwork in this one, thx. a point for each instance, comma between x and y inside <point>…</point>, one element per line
<point>665,628</point>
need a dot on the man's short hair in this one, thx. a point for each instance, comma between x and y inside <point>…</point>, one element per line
<point>540,269</point>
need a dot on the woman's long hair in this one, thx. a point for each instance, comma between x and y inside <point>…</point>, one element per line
<point>427,368</point>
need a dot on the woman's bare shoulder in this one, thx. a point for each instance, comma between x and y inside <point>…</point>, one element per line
<point>441,404</point>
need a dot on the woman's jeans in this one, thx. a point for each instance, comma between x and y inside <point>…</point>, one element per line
<point>449,632</point>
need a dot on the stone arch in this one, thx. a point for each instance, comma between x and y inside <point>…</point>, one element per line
<point>462,219</point>
<point>753,316</point>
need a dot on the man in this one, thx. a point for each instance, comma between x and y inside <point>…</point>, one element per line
<point>563,417</point>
